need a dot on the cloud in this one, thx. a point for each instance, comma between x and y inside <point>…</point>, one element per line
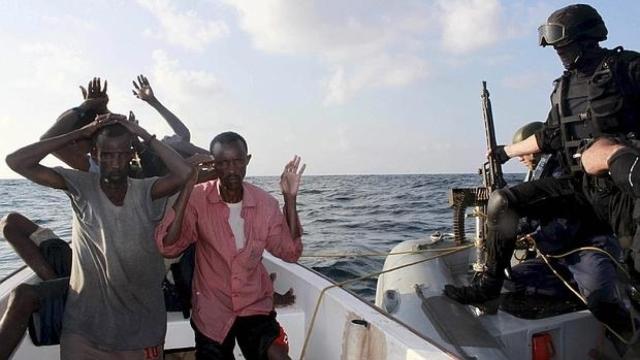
<point>68,22</point>
<point>50,66</point>
<point>381,71</point>
<point>468,25</point>
<point>185,86</point>
<point>361,48</point>
<point>183,28</point>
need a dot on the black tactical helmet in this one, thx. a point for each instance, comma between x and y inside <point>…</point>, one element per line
<point>571,23</point>
<point>526,131</point>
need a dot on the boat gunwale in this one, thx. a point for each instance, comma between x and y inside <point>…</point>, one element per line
<point>380,311</point>
<point>314,272</point>
<point>13,273</point>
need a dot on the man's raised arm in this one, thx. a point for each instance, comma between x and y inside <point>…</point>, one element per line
<point>95,102</point>
<point>144,92</point>
<point>289,184</point>
<point>26,161</point>
<point>287,245</point>
<point>178,228</point>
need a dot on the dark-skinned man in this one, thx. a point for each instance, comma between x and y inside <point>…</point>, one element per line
<point>231,223</point>
<point>112,234</point>
<point>598,97</point>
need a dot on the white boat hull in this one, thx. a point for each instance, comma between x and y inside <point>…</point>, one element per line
<point>575,335</point>
<point>332,335</point>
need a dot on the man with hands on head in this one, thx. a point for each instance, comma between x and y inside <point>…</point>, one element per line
<point>231,223</point>
<point>95,102</point>
<point>114,308</point>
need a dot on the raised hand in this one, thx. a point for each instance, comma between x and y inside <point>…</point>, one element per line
<point>290,178</point>
<point>143,90</point>
<point>95,96</point>
<point>204,166</point>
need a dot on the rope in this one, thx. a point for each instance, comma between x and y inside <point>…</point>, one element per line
<point>377,254</point>
<point>446,251</point>
<point>575,292</point>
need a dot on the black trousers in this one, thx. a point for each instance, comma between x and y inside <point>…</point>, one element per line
<point>255,334</point>
<point>596,204</point>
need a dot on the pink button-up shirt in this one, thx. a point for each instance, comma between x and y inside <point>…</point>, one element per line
<point>229,282</point>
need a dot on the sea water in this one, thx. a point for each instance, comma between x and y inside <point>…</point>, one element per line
<point>340,214</point>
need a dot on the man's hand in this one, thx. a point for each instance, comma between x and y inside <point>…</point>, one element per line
<point>95,96</point>
<point>596,157</point>
<point>204,166</point>
<point>290,178</point>
<point>101,120</point>
<point>132,125</point>
<point>143,90</point>
<point>285,299</point>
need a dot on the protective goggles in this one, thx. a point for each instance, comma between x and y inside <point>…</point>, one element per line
<point>550,34</point>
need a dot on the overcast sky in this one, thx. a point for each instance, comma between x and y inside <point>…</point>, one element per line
<point>354,87</point>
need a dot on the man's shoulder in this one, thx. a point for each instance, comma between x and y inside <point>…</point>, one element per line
<point>630,55</point>
<point>72,174</point>
<point>625,56</point>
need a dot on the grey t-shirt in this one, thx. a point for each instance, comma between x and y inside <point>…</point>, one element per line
<point>115,297</point>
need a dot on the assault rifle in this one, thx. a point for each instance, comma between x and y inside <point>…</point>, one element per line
<point>492,170</point>
<point>492,179</point>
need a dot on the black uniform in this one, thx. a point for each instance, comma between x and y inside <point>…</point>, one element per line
<point>609,82</point>
<point>596,201</point>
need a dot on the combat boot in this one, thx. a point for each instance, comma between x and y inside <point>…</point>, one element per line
<point>484,288</point>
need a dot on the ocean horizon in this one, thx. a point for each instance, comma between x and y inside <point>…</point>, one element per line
<point>347,214</point>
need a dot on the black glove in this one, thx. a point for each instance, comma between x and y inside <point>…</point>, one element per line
<point>500,155</point>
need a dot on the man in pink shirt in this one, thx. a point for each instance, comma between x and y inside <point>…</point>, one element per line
<point>231,223</point>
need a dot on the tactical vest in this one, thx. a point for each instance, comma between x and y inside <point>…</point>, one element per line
<point>611,108</point>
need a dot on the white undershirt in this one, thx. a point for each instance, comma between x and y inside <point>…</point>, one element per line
<point>237,223</point>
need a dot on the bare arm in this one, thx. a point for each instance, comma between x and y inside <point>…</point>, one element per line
<point>26,161</point>
<point>180,205</point>
<point>289,184</point>
<point>95,102</point>
<point>524,147</point>
<point>144,92</point>
<point>186,147</point>
<point>75,153</point>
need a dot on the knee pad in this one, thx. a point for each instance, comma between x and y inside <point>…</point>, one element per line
<point>501,215</point>
<point>624,168</point>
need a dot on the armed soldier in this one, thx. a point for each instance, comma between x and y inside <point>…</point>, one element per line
<point>593,273</point>
<point>595,112</point>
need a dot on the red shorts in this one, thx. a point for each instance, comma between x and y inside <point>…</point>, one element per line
<point>282,340</point>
